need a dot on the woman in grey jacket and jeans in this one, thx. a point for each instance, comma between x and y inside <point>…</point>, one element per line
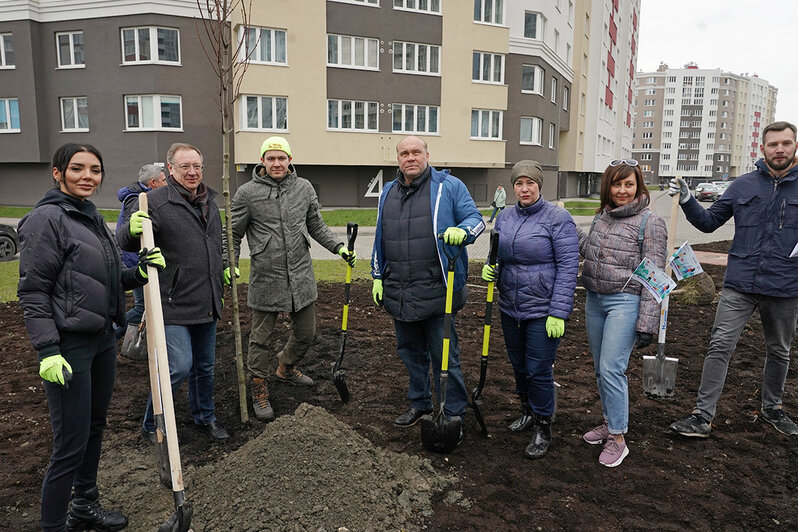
<point>619,314</point>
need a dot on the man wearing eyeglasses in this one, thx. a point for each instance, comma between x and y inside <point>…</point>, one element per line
<point>188,228</point>
<point>762,273</point>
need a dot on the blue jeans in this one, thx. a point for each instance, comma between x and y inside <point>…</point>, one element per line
<point>420,343</point>
<point>610,321</point>
<point>137,310</point>
<point>192,354</point>
<point>779,315</point>
<point>496,210</point>
<point>532,355</point>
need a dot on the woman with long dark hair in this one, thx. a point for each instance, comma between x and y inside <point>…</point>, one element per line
<point>71,289</point>
<point>619,313</point>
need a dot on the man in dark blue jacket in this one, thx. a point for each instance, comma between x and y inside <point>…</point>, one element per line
<point>761,273</point>
<point>409,270</point>
<point>150,176</point>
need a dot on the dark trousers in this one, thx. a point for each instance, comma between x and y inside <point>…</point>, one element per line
<point>420,344</point>
<point>77,416</point>
<point>532,355</point>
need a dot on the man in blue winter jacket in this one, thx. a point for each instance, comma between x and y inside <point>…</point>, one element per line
<point>761,273</point>
<point>409,270</point>
<point>150,176</point>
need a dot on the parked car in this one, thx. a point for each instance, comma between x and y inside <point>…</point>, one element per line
<point>706,192</point>
<point>9,242</point>
<point>721,186</point>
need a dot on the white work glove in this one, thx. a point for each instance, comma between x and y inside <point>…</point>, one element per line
<point>677,185</point>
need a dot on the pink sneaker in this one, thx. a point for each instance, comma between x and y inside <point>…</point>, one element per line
<point>597,435</point>
<point>613,453</point>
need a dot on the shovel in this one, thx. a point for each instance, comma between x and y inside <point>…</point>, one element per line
<point>180,521</point>
<point>483,368</point>
<point>659,372</point>
<point>338,375</point>
<point>437,434</point>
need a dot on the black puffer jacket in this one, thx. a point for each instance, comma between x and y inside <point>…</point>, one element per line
<point>70,275</point>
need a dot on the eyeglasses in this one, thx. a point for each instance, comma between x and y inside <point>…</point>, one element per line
<point>187,167</point>
<point>627,162</point>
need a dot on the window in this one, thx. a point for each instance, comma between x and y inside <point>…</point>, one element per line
<point>69,48</point>
<point>670,101</point>
<point>265,112</point>
<point>264,45</point>
<point>645,157</point>
<point>154,111</point>
<point>648,124</point>
<point>9,115</point>
<point>6,52</point>
<point>646,145</point>
<point>667,123</point>
<point>553,90</point>
<point>373,2</point>
<point>552,134</point>
<point>429,6</point>
<point>671,79</point>
<point>650,102</point>
<point>650,80</point>
<point>671,90</point>
<point>488,67</point>
<point>74,114</point>
<point>565,96</point>
<point>489,11</point>
<point>349,115</point>
<point>486,124</point>
<point>532,79</point>
<point>409,118</point>
<point>531,130</point>
<point>352,52</point>
<point>649,92</point>
<point>648,113</point>
<point>534,26</point>
<point>150,45</point>
<point>416,58</point>
<point>648,135</point>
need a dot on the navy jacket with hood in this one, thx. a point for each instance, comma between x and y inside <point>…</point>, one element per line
<point>127,196</point>
<point>70,273</point>
<point>765,213</point>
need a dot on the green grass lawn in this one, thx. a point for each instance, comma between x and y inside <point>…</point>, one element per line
<point>109,215</point>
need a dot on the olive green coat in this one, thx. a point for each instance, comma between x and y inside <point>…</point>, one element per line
<point>279,218</point>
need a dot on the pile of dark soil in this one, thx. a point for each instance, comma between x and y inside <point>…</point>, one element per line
<point>307,472</point>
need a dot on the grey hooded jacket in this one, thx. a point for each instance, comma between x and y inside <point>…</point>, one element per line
<point>278,219</point>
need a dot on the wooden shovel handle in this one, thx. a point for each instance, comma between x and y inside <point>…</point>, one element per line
<point>663,312</point>
<point>156,339</point>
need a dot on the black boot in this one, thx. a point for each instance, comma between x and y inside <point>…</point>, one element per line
<point>527,417</point>
<point>541,438</point>
<point>86,513</point>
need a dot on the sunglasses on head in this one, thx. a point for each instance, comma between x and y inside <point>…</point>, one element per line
<point>627,162</point>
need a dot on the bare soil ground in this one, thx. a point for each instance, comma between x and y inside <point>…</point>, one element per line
<point>346,465</point>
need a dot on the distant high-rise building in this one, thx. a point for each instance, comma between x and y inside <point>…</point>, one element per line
<point>699,123</point>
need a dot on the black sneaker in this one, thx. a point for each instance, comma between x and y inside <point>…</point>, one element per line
<point>693,426</point>
<point>779,419</point>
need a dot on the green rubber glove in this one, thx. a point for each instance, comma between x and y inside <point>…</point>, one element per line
<point>347,256</point>
<point>489,273</point>
<point>150,258</point>
<point>376,292</point>
<point>555,327</point>
<point>135,223</point>
<point>55,369</point>
<point>227,274</point>
<point>454,236</point>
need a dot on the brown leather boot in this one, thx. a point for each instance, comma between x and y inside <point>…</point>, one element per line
<point>260,400</point>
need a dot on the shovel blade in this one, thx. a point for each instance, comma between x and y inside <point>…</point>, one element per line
<point>180,521</point>
<point>476,404</point>
<point>659,375</point>
<point>339,379</point>
<point>439,435</point>
<point>164,469</point>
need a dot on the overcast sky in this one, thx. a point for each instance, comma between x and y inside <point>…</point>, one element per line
<point>754,36</point>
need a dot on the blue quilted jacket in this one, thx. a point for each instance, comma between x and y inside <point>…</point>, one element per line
<point>538,261</point>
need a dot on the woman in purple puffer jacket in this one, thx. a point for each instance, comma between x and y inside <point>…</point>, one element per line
<point>536,274</point>
<point>619,313</point>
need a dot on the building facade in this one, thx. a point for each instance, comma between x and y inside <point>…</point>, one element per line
<point>701,124</point>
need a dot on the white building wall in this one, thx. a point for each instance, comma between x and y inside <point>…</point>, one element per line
<point>557,32</point>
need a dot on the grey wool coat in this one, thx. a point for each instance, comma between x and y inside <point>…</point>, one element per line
<point>279,218</point>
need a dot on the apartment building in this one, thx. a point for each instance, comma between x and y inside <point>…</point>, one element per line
<point>342,80</point>
<point>130,79</point>
<point>606,36</point>
<point>702,124</point>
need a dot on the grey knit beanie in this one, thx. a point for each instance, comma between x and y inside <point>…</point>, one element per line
<point>527,168</point>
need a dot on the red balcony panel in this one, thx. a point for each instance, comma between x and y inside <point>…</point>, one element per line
<point>754,144</point>
<point>613,31</point>
<point>755,134</point>
<point>629,96</point>
<point>756,124</point>
<point>615,5</point>
<point>628,119</point>
<point>753,154</point>
<point>610,64</point>
<point>634,46</point>
<point>757,114</point>
<point>634,20</point>
<point>608,97</point>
